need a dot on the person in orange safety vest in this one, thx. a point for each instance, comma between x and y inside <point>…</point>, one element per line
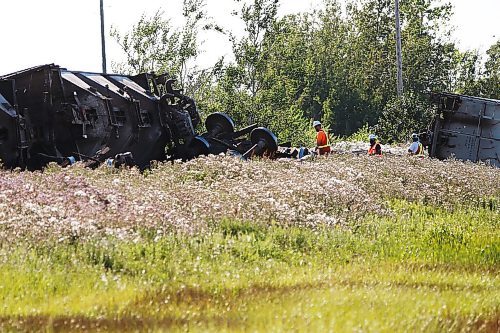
<point>322,142</point>
<point>375,147</point>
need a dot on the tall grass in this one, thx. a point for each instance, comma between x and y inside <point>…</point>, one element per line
<point>344,243</point>
<point>421,268</point>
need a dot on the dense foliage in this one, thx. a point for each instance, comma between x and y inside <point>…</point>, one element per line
<point>336,64</point>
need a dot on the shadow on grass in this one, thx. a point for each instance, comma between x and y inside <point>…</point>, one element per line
<point>141,316</point>
<point>130,323</point>
<point>57,324</point>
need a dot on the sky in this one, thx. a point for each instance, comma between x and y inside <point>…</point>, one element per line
<point>67,32</point>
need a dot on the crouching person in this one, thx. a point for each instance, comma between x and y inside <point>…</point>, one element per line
<point>416,148</point>
<point>121,160</point>
<point>375,147</point>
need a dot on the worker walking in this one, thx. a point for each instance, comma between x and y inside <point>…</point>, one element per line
<point>375,147</point>
<point>322,142</point>
<point>416,148</point>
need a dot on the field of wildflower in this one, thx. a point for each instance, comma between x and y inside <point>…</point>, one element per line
<point>343,243</point>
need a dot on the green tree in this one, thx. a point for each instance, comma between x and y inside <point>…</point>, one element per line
<point>467,76</point>
<point>154,45</point>
<point>245,91</point>
<point>403,116</point>
<point>429,61</point>
<point>490,84</point>
<point>258,18</point>
<point>331,65</point>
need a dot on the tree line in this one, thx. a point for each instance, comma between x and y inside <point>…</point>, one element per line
<point>336,64</point>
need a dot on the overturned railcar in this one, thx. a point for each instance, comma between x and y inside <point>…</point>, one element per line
<point>50,114</point>
<point>466,128</point>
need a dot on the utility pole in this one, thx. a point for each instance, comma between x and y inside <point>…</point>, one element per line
<point>399,56</point>
<point>103,39</point>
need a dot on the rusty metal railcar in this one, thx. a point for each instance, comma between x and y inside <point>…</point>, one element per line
<point>48,113</point>
<point>466,128</point>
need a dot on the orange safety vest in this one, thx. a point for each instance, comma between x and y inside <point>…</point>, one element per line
<point>322,142</point>
<point>373,149</point>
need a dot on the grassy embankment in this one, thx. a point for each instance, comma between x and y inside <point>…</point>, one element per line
<point>423,254</point>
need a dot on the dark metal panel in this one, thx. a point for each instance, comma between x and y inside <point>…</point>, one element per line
<point>128,83</point>
<point>6,108</point>
<point>489,151</point>
<point>138,130</point>
<point>73,79</point>
<point>467,128</point>
<point>9,148</point>
<point>457,145</point>
<point>104,82</point>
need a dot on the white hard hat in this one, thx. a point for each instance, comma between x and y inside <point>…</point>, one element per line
<point>372,137</point>
<point>316,123</point>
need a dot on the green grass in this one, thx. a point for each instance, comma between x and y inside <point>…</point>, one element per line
<point>423,268</point>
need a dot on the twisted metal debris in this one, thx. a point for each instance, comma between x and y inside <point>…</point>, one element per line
<point>50,114</point>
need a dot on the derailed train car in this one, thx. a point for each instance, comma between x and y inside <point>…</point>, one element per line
<point>466,128</point>
<point>50,114</point>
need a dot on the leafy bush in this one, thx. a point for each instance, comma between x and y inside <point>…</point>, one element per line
<point>361,135</point>
<point>403,116</point>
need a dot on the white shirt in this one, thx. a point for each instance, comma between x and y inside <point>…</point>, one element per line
<point>414,147</point>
